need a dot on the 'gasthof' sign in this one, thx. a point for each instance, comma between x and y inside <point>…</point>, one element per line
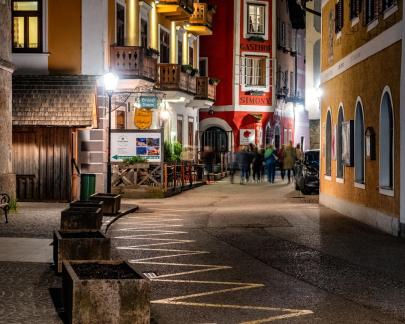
<point>148,102</point>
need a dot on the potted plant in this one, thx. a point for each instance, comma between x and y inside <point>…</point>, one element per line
<point>213,81</point>
<point>104,292</point>
<point>136,162</point>
<point>186,68</point>
<point>194,72</point>
<point>151,52</point>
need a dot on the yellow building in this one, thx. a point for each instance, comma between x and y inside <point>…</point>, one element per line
<point>60,109</point>
<point>362,79</point>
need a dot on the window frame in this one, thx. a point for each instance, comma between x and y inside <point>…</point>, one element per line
<point>266,21</point>
<point>266,68</point>
<point>256,5</point>
<point>26,15</point>
<point>339,144</point>
<point>359,183</point>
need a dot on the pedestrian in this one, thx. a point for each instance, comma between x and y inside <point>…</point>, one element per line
<point>280,155</point>
<point>234,165</point>
<point>289,160</point>
<point>246,158</point>
<point>258,159</point>
<point>299,155</point>
<point>207,157</point>
<point>270,159</point>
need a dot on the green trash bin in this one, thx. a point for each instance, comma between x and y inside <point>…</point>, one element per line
<point>87,185</point>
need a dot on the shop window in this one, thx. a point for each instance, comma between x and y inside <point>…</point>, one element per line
<point>386,143</point>
<point>267,136</point>
<point>355,8</point>
<point>180,129</point>
<point>359,157</point>
<point>277,137</point>
<point>339,143</point>
<point>27,22</point>
<point>255,71</point>
<point>256,18</point>
<point>120,28</point>
<point>328,145</point>
<point>164,46</point>
<point>339,16</point>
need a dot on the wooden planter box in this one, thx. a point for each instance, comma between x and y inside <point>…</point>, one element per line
<point>111,202</point>
<point>81,218</point>
<point>80,245</point>
<point>94,293</point>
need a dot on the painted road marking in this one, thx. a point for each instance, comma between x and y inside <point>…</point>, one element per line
<point>198,268</point>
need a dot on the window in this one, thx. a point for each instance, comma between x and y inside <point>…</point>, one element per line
<point>164,46</point>
<point>180,129</point>
<point>256,18</point>
<point>255,71</point>
<point>267,136</point>
<point>339,16</point>
<point>328,145</point>
<point>282,34</point>
<point>120,119</point>
<point>359,156</point>
<point>191,56</point>
<point>120,28</point>
<point>144,33</point>
<point>339,160</point>
<point>203,68</point>
<point>355,8</point>
<point>190,132</point>
<point>386,143</point>
<point>292,84</point>
<point>386,4</point>
<point>27,22</point>
<point>371,11</point>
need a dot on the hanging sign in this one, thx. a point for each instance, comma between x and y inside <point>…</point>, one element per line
<point>148,101</point>
<point>143,118</point>
<point>247,136</point>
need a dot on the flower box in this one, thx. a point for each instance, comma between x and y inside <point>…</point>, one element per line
<point>80,218</point>
<point>111,202</point>
<point>80,245</point>
<point>104,292</point>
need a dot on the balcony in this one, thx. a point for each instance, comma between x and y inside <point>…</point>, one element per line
<point>206,89</point>
<point>200,22</point>
<point>175,10</point>
<point>171,78</point>
<point>131,62</point>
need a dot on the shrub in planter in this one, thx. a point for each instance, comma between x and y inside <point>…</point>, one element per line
<point>80,245</point>
<point>104,292</point>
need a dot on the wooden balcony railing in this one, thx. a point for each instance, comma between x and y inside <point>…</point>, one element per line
<point>132,62</point>
<point>185,4</point>
<point>172,78</point>
<point>205,90</point>
<point>201,15</point>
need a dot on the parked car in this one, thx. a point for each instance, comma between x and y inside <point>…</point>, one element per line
<point>307,173</point>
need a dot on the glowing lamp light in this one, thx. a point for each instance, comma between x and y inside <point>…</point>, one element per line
<point>110,82</point>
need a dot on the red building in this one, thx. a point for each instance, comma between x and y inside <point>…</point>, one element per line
<point>242,54</point>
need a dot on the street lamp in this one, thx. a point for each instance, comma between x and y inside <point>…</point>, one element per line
<point>110,84</point>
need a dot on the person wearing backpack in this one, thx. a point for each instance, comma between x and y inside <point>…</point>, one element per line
<point>270,159</point>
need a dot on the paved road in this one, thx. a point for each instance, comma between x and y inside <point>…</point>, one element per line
<point>261,253</point>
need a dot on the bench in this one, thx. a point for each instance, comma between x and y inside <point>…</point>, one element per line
<point>4,204</point>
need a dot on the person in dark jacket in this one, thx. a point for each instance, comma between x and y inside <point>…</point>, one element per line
<point>270,159</point>
<point>258,159</point>
<point>245,160</point>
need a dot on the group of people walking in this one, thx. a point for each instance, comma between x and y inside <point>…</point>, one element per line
<point>258,162</point>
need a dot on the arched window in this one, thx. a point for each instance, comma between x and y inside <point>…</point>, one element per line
<point>267,136</point>
<point>386,143</point>
<point>359,144</point>
<point>277,137</point>
<point>328,139</point>
<point>339,161</point>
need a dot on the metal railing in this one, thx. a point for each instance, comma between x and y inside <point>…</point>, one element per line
<point>182,175</point>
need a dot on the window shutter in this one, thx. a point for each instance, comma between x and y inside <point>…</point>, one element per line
<point>263,72</point>
<point>365,12</point>
<point>378,7</point>
<point>339,16</point>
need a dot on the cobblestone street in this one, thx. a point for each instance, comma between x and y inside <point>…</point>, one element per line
<point>222,253</point>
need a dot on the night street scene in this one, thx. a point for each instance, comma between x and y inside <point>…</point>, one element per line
<point>202,161</point>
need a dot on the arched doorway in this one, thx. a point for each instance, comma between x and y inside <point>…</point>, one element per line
<point>328,145</point>
<point>359,157</point>
<point>339,161</point>
<point>217,139</point>
<point>386,143</point>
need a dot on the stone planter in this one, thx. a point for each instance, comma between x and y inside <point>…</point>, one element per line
<point>86,203</point>
<point>111,202</point>
<point>104,292</point>
<point>80,218</point>
<point>80,245</point>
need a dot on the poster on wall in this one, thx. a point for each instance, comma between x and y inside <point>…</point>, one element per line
<point>247,136</point>
<point>125,145</point>
<point>348,142</point>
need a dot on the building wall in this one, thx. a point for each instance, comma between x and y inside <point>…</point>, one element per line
<point>7,179</point>
<point>359,68</point>
<point>65,36</point>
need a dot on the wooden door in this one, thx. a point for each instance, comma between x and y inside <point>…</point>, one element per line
<point>42,163</point>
